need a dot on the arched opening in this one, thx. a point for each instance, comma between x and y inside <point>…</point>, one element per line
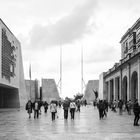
<point>134,86</point>
<point>124,88</point>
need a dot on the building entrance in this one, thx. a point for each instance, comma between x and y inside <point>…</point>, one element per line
<point>9,97</point>
<point>134,86</point>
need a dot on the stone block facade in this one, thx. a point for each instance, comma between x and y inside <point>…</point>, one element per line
<point>12,85</point>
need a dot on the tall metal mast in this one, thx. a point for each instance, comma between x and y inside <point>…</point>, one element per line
<point>59,85</point>
<point>82,70</point>
<point>30,78</point>
<point>60,70</point>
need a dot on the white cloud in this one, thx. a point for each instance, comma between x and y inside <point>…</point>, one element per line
<point>66,30</point>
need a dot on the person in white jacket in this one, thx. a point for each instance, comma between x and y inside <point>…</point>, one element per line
<point>53,109</point>
<point>72,109</point>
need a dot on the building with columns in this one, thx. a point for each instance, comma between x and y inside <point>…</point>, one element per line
<point>122,81</point>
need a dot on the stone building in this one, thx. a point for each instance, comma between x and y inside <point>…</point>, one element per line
<point>33,89</point>
<point>122,81</point>
<point>49,90</point>
<point>12,85</point>
<point>89,91</point>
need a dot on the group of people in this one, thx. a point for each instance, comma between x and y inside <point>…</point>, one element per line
<point>128,106</point>
<point>102,106</point>
<point>123,106</point>
<point>68,106</point>
<point>36,107</point>
<point>73,106</point>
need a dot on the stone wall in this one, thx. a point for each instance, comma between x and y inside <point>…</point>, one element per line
<point>49,90</point>
<point>89,94</point>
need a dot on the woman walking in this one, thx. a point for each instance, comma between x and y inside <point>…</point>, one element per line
<point>53,109</point>
<point>29,108</point>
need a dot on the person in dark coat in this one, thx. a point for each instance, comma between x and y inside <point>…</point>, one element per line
<point>29,107</point>
<point>105,110</point>
<point>136,110</point>
<point>101,109</point>
<point>78,105</point>
<point>120,106</point>
<point>66,108</point>
<point>45,106</point>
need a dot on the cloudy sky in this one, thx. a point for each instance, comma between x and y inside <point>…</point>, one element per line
<point>42,26</point>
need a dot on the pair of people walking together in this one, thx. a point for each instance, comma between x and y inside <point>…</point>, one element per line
<point>67,106</point>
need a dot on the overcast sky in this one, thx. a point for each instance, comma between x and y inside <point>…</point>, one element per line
<point>42,26</point>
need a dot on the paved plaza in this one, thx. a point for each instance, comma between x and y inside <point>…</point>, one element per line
<point>15,125</point>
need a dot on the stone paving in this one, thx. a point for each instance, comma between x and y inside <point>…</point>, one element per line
<point>15,125</point>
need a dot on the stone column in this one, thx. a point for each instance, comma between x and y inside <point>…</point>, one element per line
<point>117,89</point>
<point>138,79</point>
<point>120,84</point>
<point>129,83</point>
<point>106,97</point>
<point>108,91</point>
<point>114,84</point>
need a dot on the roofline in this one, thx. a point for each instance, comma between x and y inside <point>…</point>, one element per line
<point>120,66</point>
<point>130,29</point>
<point>9,29</point>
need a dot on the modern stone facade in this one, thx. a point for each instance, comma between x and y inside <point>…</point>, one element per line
<point>33,89</point>
<point>89,91</point>
<point>12,85</point>
<point>122,81</point>
<point>49,90</point>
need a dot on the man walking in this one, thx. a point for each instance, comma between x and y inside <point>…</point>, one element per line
<point>36,109</point>
<point>45,106</point>
<point>66,108</point>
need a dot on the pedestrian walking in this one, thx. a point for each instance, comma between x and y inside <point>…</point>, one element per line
<point>101,109</point>
<point>114,105</point>
<point>36,109</point>
<point>45,106</point>
<point>53,109</point>
<point>78,105</point>
<point>72,109</point>
<point>105,110</point>
<point>129,107</point>
<point>29,108</point>
<point>66,108</point>
<point>136,110</point>
<point>40,104</point>
<point>120,106</point>
<point>85,102</point>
